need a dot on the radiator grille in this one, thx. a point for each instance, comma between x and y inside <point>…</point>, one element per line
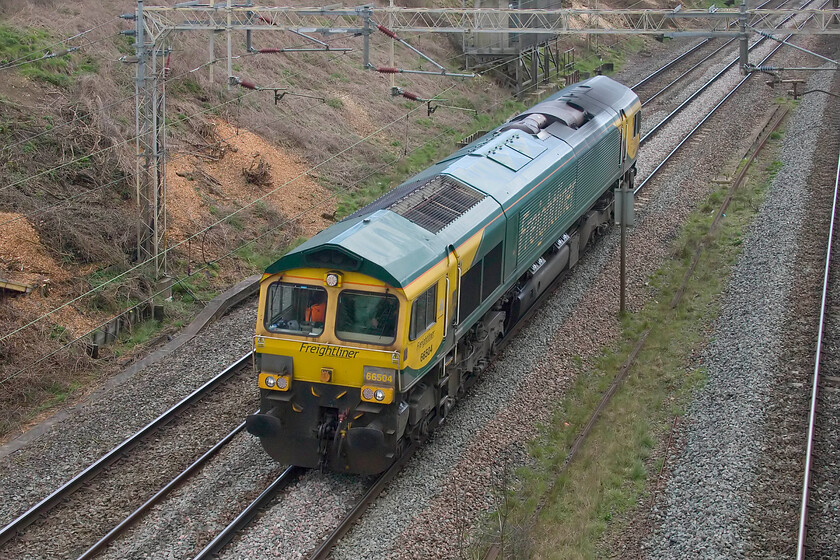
<point>437,204</point>
<point>597,167</point>
<point>540,219</point>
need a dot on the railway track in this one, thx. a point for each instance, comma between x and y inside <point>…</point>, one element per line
<point>123,526</point>
<point>818,516</point>
<point>648,89</point>
<point>323,550</point>
<point>14,528</point>
<point>75,490</point>
<point>714,110</point>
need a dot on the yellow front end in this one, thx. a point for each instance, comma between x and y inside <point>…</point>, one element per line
<point>328,347</point>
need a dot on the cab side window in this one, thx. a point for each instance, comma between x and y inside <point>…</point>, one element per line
<point>423,313</point>
<point>637,123</point>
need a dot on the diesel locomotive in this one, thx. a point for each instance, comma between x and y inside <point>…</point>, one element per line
<point>369,332</point>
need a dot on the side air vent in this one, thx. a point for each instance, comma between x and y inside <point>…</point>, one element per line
<point>437,204</point>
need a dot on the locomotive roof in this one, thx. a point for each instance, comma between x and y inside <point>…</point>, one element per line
<point>397,237</point>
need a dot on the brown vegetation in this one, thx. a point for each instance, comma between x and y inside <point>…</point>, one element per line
<point>68,158</point>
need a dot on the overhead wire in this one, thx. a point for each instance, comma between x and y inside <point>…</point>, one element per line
<point>17,62</point>
<point>117,145</point>
<point>193,236</point>
<point>141,264</point>
<point>65,52</point>
<point>116,181</point>
<point>113,146</point>
<point>221,220</point>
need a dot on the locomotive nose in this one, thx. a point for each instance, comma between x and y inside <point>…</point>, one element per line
<point>263,425</point>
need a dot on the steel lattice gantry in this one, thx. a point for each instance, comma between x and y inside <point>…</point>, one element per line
<point>720,22</point>
<point>154,26</point>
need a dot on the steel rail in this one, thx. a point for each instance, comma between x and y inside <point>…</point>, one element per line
<point>706,118</point>
<point>812,416</point>
<point>361,506</point>
<point>174,483</point>
<point>249,513</point>
<point>667,65</point>
<point>711,81</point>
<point>24,520</point>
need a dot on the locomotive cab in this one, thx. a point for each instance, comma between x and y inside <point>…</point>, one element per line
<point>327,354</point>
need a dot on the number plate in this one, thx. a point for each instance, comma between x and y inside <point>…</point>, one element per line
<point>379,377</point>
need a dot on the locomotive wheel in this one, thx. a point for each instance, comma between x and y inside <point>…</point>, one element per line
<point>421,431</point>
<point>494,347</point>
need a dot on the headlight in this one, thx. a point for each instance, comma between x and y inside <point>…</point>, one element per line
<point>274,381</point>
<point>332,279</point>
<point>384,395</point>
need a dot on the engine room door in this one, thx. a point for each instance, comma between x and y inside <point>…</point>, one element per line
<point>625,131</point>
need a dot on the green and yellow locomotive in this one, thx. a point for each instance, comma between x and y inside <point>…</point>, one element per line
<point>370,331</point>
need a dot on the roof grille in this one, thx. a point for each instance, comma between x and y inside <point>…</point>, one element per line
<point>437,204</point>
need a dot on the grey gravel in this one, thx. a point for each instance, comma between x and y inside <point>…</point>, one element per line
<point>430,509</point>
<point>706,508</point>
<point>31,473</point>
<point>452,479</point>
<point>187,520</point>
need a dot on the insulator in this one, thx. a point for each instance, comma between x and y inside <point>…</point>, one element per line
<point>412,96</point>
<point>387,70</point>
<point>248,85</point>
<point>270,51</point>
<point>166,67</point>
<point>387,32</point>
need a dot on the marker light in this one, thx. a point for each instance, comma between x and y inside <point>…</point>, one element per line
<point>333,279</point>
<point>367,393</point>
<point>282,383</point>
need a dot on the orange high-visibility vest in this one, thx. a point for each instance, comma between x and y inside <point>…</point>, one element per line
<point>316,313</point>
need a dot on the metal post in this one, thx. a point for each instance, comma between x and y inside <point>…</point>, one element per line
<point>624,216</point>
<point>744,43</point>
<point>155,183</point>
<point>622,265</point>
<point>150,176</point>
<point>391,62</point>
<point>546,63</point>
<point>535,68</point>
<point>212,46</point>
<point>139,123</point>
<point>229,31</point>
<point>366,36</point>
<point>160,159</point>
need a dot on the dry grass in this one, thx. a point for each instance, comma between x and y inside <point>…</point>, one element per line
<point>83,106</point>
<point>599,500</point>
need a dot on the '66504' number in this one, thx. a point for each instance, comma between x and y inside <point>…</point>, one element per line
<point>379,377</point>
